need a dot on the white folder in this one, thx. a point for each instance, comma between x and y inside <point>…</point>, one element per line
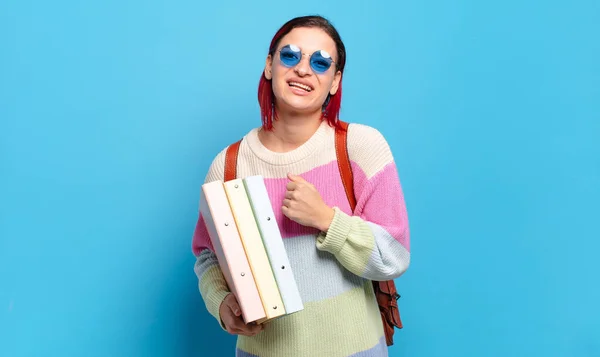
<point>273,242</point>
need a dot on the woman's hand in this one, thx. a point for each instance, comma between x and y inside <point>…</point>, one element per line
<point>231,316</point>
<point>303,204</point>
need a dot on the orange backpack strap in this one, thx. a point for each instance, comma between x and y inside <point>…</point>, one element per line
<point>231,156</point>
<point>385,291</point>
<point>341,150</point>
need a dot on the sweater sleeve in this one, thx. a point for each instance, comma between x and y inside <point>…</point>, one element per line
<point>374,242</point>
<point>211,282</point>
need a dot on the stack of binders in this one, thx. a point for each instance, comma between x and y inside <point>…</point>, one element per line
<point>249,247</point>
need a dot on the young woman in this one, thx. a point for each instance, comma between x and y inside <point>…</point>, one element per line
<point>335,253</point>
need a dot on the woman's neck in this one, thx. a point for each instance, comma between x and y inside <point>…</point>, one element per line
<point>289,132</point>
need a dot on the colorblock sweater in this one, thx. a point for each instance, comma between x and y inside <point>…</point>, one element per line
<point>333,270</point>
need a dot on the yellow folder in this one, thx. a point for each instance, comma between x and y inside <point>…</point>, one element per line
<point>255,249</point>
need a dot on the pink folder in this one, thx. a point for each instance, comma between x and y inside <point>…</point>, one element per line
<point>225,237</point>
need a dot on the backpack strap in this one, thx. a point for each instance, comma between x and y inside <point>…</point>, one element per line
<point>385,291</point>
<point>341,150</point>
<point>231,156</point>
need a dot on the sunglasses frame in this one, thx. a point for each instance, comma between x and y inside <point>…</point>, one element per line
<point>310,58</point>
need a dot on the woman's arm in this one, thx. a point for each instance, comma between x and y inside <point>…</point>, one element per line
<point>375,242</point>
<point>211,282</point>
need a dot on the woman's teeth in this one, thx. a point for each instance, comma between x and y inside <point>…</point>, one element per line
<point>300,85</point>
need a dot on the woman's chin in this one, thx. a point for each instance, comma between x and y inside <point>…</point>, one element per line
<point>299,106</point>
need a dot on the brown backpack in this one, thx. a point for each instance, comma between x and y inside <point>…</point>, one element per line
<point>385,291</point>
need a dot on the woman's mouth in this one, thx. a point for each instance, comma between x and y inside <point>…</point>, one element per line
<point>300,86</point>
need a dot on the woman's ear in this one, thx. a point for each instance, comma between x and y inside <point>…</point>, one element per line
<point>336,83</point>
<point>268,67</point>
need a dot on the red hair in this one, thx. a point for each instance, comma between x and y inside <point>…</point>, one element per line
<point>266,98</point>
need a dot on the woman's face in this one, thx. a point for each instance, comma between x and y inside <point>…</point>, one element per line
<point>302,87</point>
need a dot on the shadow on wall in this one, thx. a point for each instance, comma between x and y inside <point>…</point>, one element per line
<point>176,322</point>
<point>184,325</point>
<point>204,336</point>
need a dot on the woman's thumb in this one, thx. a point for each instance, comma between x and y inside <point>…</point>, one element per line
<point>235,307</point>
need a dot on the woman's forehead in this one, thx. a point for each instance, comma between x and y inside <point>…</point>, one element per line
<point>309,40</point>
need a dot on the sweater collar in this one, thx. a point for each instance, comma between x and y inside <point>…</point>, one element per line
<point>285,158</point>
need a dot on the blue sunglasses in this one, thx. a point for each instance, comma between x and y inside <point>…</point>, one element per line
<point>320,61</point>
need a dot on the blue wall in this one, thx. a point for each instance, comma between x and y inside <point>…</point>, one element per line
<point>111,112</point>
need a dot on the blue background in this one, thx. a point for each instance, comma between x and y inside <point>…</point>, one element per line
<point>111,112</point>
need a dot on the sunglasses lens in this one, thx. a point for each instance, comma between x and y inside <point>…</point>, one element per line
<point>320,61</point>
<point>290,55</point>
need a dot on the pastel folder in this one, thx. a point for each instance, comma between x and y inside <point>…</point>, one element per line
<point>272,239</point>
<point>255,249</point>
<point>223,232</point>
